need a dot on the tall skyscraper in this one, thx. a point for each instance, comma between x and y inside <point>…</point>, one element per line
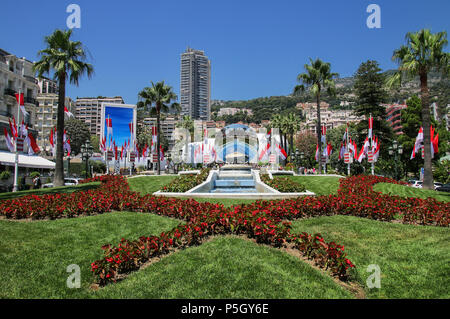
<point>195,84</point>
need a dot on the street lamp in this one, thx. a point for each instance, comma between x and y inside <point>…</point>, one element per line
<point>395,150</point>
<point>86,152</point>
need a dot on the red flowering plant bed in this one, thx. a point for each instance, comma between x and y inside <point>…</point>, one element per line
<point>264,221</point>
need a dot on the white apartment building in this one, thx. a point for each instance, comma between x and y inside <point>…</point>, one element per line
<point>330,118</point>
<point>233,111</point>
<point>16,74</point>
<point>195,85</point>
<point>88,110</point>
<point>167,127</point>
<point>47,111</point>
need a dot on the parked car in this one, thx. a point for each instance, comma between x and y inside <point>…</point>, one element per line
<point>444,188</point>
<point>437,185</point>
<point>67,182</point>
<point>417,184</point>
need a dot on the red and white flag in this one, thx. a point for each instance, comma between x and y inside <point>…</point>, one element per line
<point>69,114</point>
<point>341,151</point>
<point>23,129</point>
<point>66,143</point>
<point>370,126</point>
<point>265,152</point>
<point>317,153</point>
<point>9,140</point>
<point>32,145</point>
<point>281,152</point>
<point>13,128</point>
<point>20,101</point>
<point>324,134</point>
<point>161,153</point>
<point>109,127</point>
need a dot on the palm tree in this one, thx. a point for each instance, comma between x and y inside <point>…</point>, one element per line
<point>422,54</point>
<point>158,98</point>
<point>292,125</point>
<point>66,59</point>
<point>318,76</point>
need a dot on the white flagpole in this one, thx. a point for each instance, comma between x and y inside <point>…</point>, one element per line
<point>16,162</point>
<point>107,142</point>
<point>348,152</point>
<point>371,147</point>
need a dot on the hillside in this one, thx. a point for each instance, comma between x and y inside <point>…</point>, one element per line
<point>264,107</point>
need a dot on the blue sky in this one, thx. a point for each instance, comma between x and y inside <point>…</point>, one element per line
<point>256,48</point>
<point>120,117</point>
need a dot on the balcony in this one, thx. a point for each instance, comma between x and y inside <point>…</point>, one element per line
<point>10,92</point>
<point>29,99</point>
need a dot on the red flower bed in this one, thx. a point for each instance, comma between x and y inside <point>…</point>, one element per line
<point>263,220</point>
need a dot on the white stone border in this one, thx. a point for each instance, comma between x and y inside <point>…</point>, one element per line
<point>274,194</point>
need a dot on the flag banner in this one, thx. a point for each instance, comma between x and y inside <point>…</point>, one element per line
<point>370,126</point>
<point>20,99</point>
<point>348,158</point>
<point>109,155</point>
<point>9,140</point>
<point>13,128</point>
<point>132,157</point>
<point>33,145</point>
<point>272,159</point>
<point>66,111</point>
<point>20,141</point>
<point>370,156</point>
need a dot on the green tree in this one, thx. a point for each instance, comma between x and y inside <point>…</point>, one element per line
<point>78,133</point>
<point>66,59</point>
<point>411,123</point>
<point>187,123</point>
<point>158,98</point>
<point>370,94</point>
<point>318,77</point>
<point>422,54</point>
<point>95,142</point>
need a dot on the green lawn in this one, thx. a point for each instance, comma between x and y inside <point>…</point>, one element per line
<point>149,184</point>
<point>320,185</point>
<point>52,190</point>
<point>227,267</point>
<point>414,260</point>
<point>35,254</point>
<point>407,191</point>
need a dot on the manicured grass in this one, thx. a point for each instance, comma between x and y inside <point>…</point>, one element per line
<point>227,267</point>
<point>320,185</point>
<point>414,260</point>
<point>52,190</point>
<point>407,191</point>
<point>149,184</point>
<point>35,255</point>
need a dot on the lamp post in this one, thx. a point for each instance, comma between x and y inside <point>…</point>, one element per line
<point>86,152</point>
<point>395,150</point>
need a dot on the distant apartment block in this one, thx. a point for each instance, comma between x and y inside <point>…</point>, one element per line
<point>47,110</point>
<point>330,118</point>
<point>233,111</point>
<point>195,85</point>
<point>88,110</point>
<point>167,127</point>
